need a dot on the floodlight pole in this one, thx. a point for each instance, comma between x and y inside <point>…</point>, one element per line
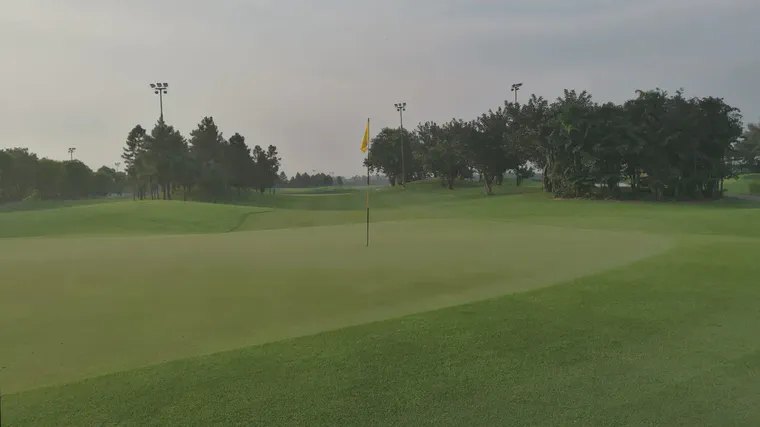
<point>160,89</point>
<point>516,88</point>
<point>401,107</point>
<point>71,153</point>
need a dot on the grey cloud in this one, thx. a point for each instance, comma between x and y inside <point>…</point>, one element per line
<point>305,74</point>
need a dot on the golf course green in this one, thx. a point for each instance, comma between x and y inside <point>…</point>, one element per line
<point>515,309</point>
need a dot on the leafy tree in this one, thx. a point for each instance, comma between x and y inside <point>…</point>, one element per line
<point>135,146</point>
<point>486,146</point>
<point>208,147</point>
<point>443,151</point>
<point>79,179</point>
<point>163,154</point>
<point>385,155</point>
<point>266,167</point>
<point>240,165</point>
<point>51,177</point>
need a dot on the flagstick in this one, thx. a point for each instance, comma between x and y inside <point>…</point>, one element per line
<point>367,183</point>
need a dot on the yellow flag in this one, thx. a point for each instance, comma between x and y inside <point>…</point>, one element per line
<point>365,140</point>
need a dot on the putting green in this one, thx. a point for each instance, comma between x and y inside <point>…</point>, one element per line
<point>82,306</point>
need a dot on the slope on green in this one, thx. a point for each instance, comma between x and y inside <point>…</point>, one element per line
<point>125,217</point>
<point>104,304</point>
<point>667,341</point>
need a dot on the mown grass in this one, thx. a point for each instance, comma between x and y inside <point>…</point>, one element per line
<point>124,218</point>
<point>746,184</point>
<point>627,314</point>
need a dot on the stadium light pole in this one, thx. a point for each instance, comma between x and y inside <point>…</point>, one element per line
<point>71,153</point>
<point>516,88</point>
<point>160,89</point>
<point>401,107</point>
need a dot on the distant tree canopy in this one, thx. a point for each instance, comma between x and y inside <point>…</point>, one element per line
<point>669,145</point>
<point>304,180</point>
<point>23,176</point>
<point>205,165</point>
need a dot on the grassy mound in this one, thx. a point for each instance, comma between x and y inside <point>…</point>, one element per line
<point>125,218</point>
<point>101,302</point>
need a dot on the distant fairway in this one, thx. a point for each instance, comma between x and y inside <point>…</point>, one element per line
<point>574,312</point>
<point>742,185</point>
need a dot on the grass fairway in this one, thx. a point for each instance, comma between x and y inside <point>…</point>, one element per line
<point>515,310</point>
<point>742,185</point>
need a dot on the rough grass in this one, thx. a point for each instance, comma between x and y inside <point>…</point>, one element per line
<point>620,339</point>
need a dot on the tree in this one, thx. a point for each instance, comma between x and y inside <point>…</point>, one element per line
<point>385,155</point>
<point>266,167</point>
<point>51,176</point>
<point>132,161</point>
<point>208,147</point>
<point>486,146</point>
<point>240,165</point>
<point>19,173</point>
<point>163,154</point>
<point>79,179</point>
<point>442,148</point>
<point>104,181</point>
<point>747,149</point>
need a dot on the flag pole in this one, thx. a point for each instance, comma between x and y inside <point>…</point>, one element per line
<point>368,174</point>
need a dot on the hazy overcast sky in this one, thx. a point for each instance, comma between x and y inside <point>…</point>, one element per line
<point>305,74</point>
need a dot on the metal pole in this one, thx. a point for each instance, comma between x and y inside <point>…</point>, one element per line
<point>403,164</point>
<point>161,102</point>
<point>368,174</point>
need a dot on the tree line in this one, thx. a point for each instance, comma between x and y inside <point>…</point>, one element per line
<point>320,179</point>
<point>205,166</point>
<point>25,176</point>
<point>658,143</point>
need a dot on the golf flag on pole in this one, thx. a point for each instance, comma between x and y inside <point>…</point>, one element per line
<point>365,140</point>
<point>365,148</point>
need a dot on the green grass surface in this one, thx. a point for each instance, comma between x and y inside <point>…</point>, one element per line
<point>465,310</point>
<point>743,185</point>
<point>125,218</point>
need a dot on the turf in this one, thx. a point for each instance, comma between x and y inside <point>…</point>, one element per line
<point>544,312</point>
<point>742,184</point>
<point>124,218</point>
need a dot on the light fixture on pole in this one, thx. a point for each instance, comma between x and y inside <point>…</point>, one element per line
<point>516,88</point>
<point>71,153</point>
<point>401,107</point>
<point>160,89</point>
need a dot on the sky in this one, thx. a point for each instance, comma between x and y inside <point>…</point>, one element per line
<point>305,75</point>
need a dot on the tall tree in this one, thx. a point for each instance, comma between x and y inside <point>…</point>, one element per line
<point>164,152</point>
<point>208,147</point>
<point>132,158</point>
<point>240,165</point>
<point>267,167</point>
